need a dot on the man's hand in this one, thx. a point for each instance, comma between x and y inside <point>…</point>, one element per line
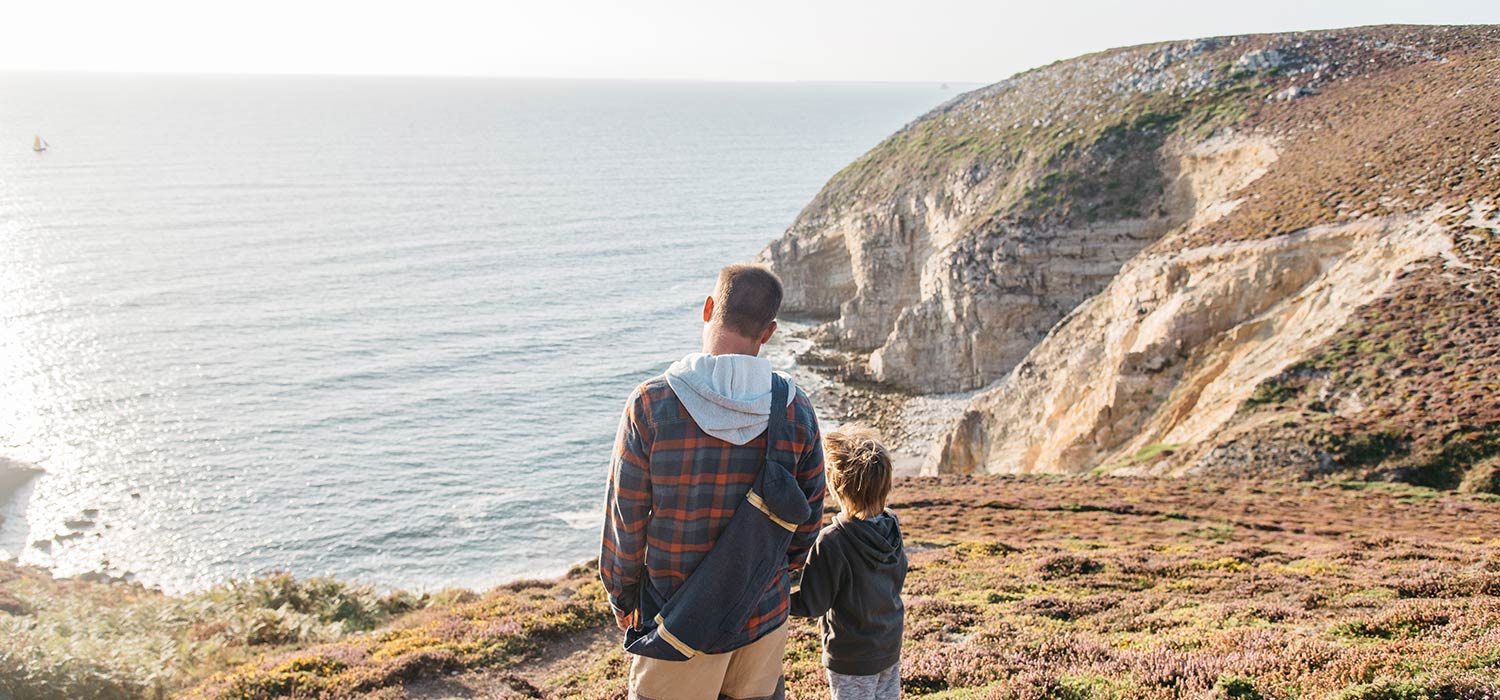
<point>624,620</point>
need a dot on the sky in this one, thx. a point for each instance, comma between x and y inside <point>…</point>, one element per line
<point>758,40</point>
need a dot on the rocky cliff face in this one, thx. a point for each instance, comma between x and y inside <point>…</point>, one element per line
<point>1183,257</point>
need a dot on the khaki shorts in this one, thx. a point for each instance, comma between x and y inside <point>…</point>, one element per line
<point>749,673</point>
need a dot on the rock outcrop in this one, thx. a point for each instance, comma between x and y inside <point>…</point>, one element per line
<point>1178,342</point>
<point>1149,259</point>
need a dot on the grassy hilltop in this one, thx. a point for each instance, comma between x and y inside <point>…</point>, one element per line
<point>1021,587</point>
<point>1202,207</point>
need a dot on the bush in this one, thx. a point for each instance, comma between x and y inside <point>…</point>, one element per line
<point>116,640</point>
<point>1063,565</point>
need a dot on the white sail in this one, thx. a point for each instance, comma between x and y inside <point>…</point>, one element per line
<point>38,144</point>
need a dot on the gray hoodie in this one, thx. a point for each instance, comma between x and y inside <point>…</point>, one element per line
<point>728,396</point>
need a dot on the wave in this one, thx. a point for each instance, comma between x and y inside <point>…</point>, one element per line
<point>13,475</point>
<point>15,479</point>
<point>582,519</point>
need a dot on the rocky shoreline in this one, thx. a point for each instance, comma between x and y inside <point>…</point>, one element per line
<point>843,392</point>
<point>13,476</point>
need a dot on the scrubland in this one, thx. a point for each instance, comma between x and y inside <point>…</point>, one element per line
<point>1020,587</point>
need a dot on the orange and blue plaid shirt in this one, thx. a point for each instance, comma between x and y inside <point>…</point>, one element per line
<point>673,489</point>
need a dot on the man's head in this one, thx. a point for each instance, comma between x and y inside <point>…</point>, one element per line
<point>859,470</point>
<point>741,314</point>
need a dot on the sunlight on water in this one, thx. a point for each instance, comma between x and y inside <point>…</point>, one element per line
<point>380,328</point>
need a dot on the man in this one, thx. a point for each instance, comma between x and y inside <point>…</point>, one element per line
<point>690,445</point>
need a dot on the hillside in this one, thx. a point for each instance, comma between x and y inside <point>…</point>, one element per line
<point>1268,254</point>
<point>1063,588</point>
<point>1118,308</point>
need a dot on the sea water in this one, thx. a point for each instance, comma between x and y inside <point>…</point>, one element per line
<point>377,328</point>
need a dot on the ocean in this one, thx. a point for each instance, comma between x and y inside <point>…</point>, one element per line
<point>375,328</point>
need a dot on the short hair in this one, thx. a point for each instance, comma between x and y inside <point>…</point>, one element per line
<point>746,299</point>
<point>859,470</point>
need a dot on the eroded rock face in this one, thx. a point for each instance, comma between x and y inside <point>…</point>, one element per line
<point>949,251</point>
<point>989,298</point>
<point>1115,251</point>
<point>941,307</point>
<point>1176,343</point>
<point>860,267</point>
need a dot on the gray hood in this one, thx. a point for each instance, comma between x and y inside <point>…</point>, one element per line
<point>729,396</point>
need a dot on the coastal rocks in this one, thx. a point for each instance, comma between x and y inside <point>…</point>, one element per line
<point>1176,343</point>
<point>983,299</point>
<point>1257,457</point>
<point>860,269</point>
<point>844,394</point>
<point>992,296</point>
<point>14,476</point>
<point>1170,54</point>
<point>1118,250</point>
<point>948,251</point>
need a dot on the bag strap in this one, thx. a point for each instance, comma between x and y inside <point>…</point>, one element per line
<point>776,427</point>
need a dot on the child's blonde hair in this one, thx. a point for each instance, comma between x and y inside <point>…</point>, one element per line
<point>859,470</point>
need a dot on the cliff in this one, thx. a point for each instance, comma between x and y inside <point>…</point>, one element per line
<point>1269,254</point>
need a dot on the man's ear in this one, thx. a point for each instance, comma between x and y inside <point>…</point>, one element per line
<point>708,309</point>
<point>764,337</point>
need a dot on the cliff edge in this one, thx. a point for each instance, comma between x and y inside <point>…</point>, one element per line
<point>1265,254</point>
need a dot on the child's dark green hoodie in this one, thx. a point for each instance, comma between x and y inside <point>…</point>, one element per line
<point>852,583</point>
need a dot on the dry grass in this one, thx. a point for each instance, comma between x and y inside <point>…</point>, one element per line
<point>80,640</point>
<point>1021,587</point>
<point>1068,588</point>
<point>509,626</point>
<point>1131,588</point>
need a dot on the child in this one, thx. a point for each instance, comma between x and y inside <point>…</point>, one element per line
<point>853,579</point>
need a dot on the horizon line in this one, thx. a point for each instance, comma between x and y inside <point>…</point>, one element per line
<point>472,76</point>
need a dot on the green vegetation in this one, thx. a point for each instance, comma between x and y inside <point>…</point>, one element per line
<point>1362,449</point>
<point>1271,391</point>
<point>1077,589</point>
<point>497,630</point>
<point>1152,452</point>
<point>76,640</point>
<point>1068,589</point>
<point>1079,147</point>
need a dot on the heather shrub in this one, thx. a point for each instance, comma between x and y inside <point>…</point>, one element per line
<point>927,617</point>
<point>1047,685</point>
<point>497,630</point>
<point>1064,565</point>
<point>1062,608</point>
<point>931,667</point>
<point>1441,686</point>
<point>1405,620</point>
<point>122,641</point>
<point>1236,688</point>
<point>1152,611</point>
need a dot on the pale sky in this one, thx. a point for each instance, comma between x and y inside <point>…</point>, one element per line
<point>775,40</point>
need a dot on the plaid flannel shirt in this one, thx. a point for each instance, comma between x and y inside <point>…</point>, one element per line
<point>673,489</point>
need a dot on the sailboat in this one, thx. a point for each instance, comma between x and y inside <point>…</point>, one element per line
<point>38,144</point>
